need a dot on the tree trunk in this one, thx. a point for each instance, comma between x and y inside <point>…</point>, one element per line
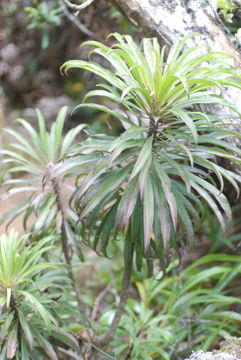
<point>171,20</point>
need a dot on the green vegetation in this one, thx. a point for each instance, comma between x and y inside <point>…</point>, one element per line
<point>42,17</point>
<point>227,8</point>
<point>151,179</point>
<point>139,198</point>
<point>191,313</point>
<point>40,157</point>
<point>27,286</point>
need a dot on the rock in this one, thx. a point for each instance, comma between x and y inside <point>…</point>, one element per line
<point>232,346</point>
<point>217,355</point>
<point>230,350</point>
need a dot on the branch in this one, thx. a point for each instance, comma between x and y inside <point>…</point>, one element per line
<point>98,301</point>
<point>96,348</point>
<point>64,241</point>
<point>78,7</point>
<point>71,353</point>
<point>76,21</point>
<point>108,336</point>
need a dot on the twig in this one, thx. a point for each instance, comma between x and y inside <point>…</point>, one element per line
<point>98,301</point>
<point>94,346</point>
<point>64,240</point>
<point>108,336</point>
<point>71,353</point>
<point>76,7</point>
<point>76,21</point>
<point>103,352</point>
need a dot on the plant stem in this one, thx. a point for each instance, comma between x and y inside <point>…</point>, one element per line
<point>98,301</point>
<point>64,241</point>
<point>108,336</point>
<point>13,306</point>
<point>152,128</point>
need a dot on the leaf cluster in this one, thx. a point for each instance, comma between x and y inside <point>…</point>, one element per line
<point>27,298</point>
<point>40,157</point>
<point>151,182</point>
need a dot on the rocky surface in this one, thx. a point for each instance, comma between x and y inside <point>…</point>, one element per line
<point>230,350</point>
<point>217,355</point>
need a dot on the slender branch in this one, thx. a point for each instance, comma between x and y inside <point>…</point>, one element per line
<point>71,353</point>
<point>76,21</point>
<point>102,352</point>
<point>98,301</point>
<point>95,347</point>
<point>108,336</point>
<point>64,241</point>
<point>76,7</point>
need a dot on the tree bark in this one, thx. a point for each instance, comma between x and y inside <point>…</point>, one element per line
<point>171,20</point>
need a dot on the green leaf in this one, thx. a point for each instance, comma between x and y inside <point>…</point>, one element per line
<point>113,182</point>
<point>127,203</point>
<point>114,113</point>
<point>26,329</point>
<point>45,345</point>
<point>148,212</point>
<point>144,155</point>
<point>38,307</point>
<point>166,185</point>
<point>24,349</point>
<point>183,115</point>
<point>69,138</point>
<point>12,342</point>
